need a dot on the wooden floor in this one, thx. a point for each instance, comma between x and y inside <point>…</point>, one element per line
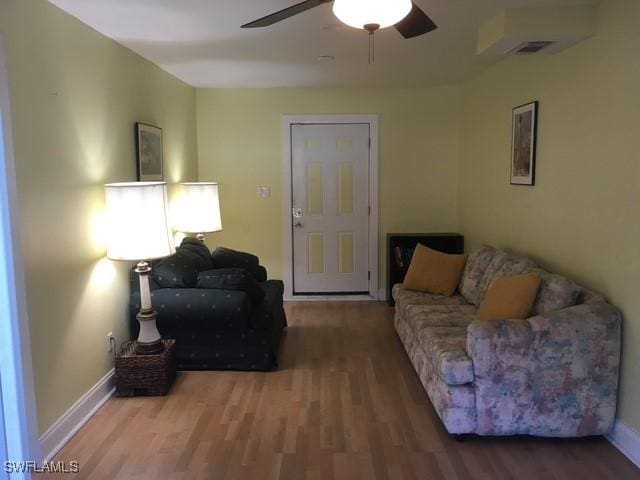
<point>345,404</point>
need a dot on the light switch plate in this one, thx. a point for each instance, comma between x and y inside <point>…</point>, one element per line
<point>264,192</point>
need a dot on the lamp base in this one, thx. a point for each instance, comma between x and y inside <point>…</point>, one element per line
<point>153,348</point>
<point>149,340</point>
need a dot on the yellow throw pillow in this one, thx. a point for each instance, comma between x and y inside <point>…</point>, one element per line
<point>510,298</point>
<point>434,272</point>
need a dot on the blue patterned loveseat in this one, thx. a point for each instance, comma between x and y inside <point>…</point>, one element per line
<point>554,374</point>
<point>217,323</point>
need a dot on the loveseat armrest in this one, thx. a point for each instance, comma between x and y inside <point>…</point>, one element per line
<point>195,310</point>
<point>551,375</point>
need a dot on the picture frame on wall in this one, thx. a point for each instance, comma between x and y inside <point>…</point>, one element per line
<point>524,133</point>
<point>149,157</point>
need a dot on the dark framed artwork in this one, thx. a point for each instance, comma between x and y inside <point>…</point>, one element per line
<point>148,152</point>
<point>524,133</point>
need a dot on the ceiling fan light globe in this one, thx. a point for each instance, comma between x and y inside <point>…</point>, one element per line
<point>358,13</point>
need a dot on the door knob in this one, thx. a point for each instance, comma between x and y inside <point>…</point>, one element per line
<point>297,225</point>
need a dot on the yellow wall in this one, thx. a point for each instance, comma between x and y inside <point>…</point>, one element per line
<point>75,96</point>
<point>240,145</point>
<point>582,217</point>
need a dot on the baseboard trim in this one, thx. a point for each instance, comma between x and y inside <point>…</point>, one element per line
<point>68,425</point>
<point>626,440</point>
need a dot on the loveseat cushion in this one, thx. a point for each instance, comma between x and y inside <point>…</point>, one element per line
<point>404,297</point>
<point>231,279</point>
<point>198,251</point>
<point>176,271</point>
<point>556,293</point>
<point>474,271</point>
<point>504,264</point>
<point>223,257</point>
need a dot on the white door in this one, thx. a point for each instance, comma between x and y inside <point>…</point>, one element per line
<point>330,215</point>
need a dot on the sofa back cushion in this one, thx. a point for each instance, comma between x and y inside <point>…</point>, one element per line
<point>556,292</point>
<point>504,264</point>
<point>589,296</point>
<point>474,271</point>
<point>434,272</point>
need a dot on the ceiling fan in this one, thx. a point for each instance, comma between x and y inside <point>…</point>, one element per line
<point>370,15</point>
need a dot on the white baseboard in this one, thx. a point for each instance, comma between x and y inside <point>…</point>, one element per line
<point>382,294</point>
<point>68,425</point>
<point>626,440</point>
<point>329,298</point>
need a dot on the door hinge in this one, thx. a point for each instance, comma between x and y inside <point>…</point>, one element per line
<point>369,275</point>
<point>369,210</point>
<point>369,143</point>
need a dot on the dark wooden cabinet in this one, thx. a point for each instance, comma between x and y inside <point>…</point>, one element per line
<point>400,248</point>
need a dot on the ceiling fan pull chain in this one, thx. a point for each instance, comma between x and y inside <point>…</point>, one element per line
<point>372,48</point>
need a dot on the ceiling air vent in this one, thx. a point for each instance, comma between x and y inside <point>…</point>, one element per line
<point>529,48</point>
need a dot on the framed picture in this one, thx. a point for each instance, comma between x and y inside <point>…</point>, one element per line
<point>149,152</point>
<point>523,144</point>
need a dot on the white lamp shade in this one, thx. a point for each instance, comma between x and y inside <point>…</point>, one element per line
<point>138,224</point>
<point>358,13</point>
<point>197,208</point>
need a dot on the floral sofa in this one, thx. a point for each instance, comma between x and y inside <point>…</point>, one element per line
<point>554,374</point>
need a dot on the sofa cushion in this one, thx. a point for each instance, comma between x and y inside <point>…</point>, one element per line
<point>423,316</point>
<point>223,257</point>
<point>445,350</point>
<point>176,271</point>
<point>510,298</point>
<point>504,264</point>
<point>556,293</point>
<point>231,279</point>
<point>404,297</point>
<point>455,404</point>
<point>434,272</point>
<point>474,271</point>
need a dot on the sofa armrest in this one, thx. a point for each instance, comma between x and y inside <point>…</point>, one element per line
<point>551,375</point>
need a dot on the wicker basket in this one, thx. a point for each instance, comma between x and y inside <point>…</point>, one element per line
<point>145,374</point>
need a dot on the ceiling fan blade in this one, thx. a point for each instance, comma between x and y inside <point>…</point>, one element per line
<point>286,13</point>
<point>415,24</point>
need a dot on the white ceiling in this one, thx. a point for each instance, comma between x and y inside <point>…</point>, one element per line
<point>201,42</point>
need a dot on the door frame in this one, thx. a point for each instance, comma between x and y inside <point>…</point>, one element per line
<point>17,388</point>
<point>287,122</point>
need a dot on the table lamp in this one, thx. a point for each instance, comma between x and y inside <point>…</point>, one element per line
<point>198,209</point>
<point>139,230</point>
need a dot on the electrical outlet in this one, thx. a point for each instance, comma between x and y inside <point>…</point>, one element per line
<point>111,341</point>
